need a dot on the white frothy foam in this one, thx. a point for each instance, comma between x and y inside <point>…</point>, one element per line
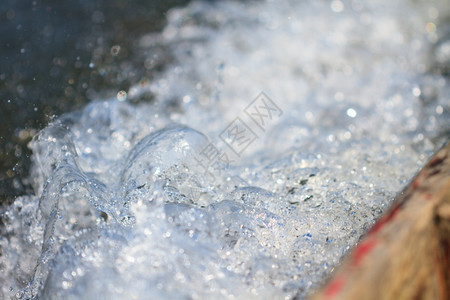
<point>125,208</point>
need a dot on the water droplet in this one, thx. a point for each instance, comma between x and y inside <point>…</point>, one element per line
<point>337,6</point>
<point>121,95</point>
<point>351,113</point>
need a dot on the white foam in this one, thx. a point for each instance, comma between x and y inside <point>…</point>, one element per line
<point>123,208</point>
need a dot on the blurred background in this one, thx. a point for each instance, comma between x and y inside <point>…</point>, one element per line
<point>55,56</point>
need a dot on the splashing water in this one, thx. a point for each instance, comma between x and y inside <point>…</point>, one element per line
<point>124,206</point>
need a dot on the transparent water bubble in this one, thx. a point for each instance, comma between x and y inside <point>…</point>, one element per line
<point>164,154</point>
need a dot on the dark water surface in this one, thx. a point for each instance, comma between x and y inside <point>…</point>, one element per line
<point>57,55</point>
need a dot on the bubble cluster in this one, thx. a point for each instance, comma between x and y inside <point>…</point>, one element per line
<point>123,209</point>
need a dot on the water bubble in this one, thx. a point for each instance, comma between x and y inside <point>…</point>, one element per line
<point>121,95</point>
<point>351,113</point>
<point>416,91</point>
<point>172,148</point>
<point>115,50</point>
<point>337,6</point>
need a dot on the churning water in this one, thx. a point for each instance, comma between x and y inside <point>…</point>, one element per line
<point>272,142</point>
